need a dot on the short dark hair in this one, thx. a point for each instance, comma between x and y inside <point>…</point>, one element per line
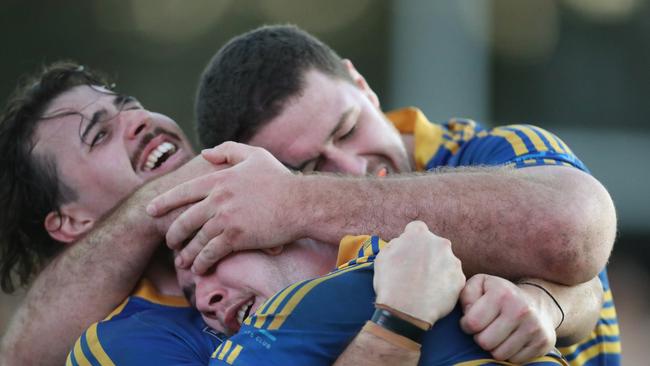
<point>29,184</point>
<point>250,79</point>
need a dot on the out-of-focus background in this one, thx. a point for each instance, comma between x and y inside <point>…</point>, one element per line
<point>579,68</point>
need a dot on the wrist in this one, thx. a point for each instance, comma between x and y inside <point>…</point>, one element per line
<point>545,297</point>
<point>422,324</point>
<point>388,321</point>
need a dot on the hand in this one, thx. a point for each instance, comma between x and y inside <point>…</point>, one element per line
<point>418,274</point>
<point>245,206</point>
<point>505,320</point>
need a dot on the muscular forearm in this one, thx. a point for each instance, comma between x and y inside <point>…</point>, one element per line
<point>369,349</point>
<point>581,305</point>
<point>555,223</point>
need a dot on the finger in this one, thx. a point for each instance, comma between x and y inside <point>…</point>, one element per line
<point>495,333</point>
<point>529,352</point>
<point>186,256</point>
<point>228,153</point>
<point>472,291</point>
<point>181,195</point>
<point>510,346</point>
<point>480,315</point>
<point>216,249</point>
<point>187,223</point>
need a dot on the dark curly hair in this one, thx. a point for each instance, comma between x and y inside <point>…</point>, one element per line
<point>249,80</point>
<point>29,185</point>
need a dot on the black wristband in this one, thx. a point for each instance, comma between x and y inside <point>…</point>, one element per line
<point>387,320</point>
<point>549,295</point>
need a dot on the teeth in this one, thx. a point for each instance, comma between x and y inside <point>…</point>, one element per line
<point>242,311</point>
<point>156,153</point>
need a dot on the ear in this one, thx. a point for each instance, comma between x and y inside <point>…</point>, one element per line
<point>68,224</point>
<point>274,251</point>
<point>361,83</point>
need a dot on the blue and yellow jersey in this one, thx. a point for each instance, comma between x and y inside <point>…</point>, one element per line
<point>462,142</point>
<point>311,322</point>
<point>147,329</point>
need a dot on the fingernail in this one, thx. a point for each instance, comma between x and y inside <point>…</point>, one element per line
<point>194,270</point>
<point>178,261</point>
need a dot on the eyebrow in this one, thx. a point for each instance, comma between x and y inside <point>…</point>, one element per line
<point>118,101</point>
<point>190,292</point>
<point>344,116</point>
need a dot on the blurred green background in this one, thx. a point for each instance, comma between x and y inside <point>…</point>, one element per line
<point>580,68</point>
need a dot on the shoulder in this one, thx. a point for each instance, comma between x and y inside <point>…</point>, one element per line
<point>169,335</point>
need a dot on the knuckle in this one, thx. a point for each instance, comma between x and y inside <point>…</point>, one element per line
<point>472,324</point>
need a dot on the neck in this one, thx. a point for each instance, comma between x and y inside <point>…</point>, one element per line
<point>161,273</point>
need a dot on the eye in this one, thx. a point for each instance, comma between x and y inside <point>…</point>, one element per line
<point>99,137</point>
<point>349,133</point>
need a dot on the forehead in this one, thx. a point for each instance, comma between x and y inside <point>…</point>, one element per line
<point>312,115</point>
<point>78,99</point>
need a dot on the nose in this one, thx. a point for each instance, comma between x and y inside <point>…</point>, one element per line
<point>136,121</point>
<point>339,160</point>
<point>209,299</point>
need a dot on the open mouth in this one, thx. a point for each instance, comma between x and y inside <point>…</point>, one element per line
<point>244,311</point>
<point>159,155</point>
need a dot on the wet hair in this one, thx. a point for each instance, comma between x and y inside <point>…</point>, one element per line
<point>29,185</point>
<point>250,79</point>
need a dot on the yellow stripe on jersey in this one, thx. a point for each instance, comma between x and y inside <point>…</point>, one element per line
<point>234,354</point>
<point>517,144</point>
<point>607,296</point>
<point>530,161</point>
<point>96,348</point>
<point>224,350</point>
<point>553,141</point>
<point>608,313</point>
<point>79,353</point>
<point>300,294</point>
<point>216,351</point>
<point>549,161</point>
<point>261,317</point>
<point>532,136</point>
<point>595,350</point>
<point>68,361</point>
<point>118,309</point>
<point>484,361</point>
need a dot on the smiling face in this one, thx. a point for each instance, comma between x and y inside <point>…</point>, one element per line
<point>334,126</point>
<point>242,281</point>
<point>104,146</point>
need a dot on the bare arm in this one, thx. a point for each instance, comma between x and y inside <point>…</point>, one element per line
<point>549,222</point>
<point>87,281</point>
<point>555,223</point>
<point>369,349</point>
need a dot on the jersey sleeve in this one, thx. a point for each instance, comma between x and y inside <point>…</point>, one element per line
<point>131,342</point>
<point>466,143</point>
